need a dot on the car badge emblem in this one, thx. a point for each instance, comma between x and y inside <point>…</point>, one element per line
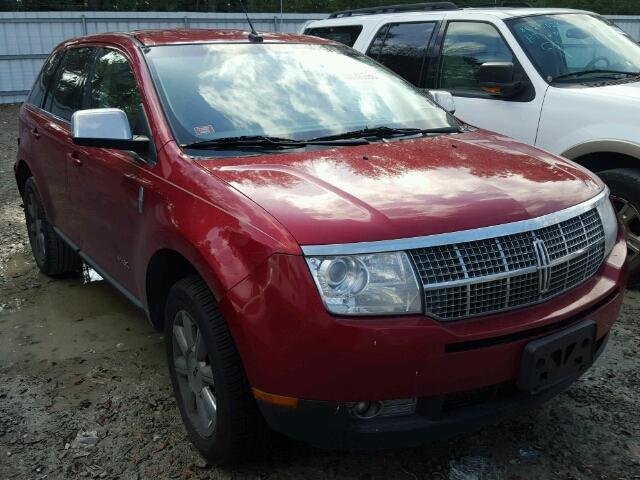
<point>544,265</point>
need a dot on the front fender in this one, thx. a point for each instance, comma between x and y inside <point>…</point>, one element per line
<point>172,241</point>
<point>217,229</point>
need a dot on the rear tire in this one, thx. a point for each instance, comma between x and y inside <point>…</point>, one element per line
<point>52,254</point>
<point>209,382</point>
<point>624,184</point>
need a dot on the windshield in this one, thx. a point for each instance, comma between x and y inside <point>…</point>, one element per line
<point>293,91</point>
<point>575,46</point>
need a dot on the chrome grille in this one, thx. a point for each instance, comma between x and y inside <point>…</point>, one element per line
<point>482,277</point>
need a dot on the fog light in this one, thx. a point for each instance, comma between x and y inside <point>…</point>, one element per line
<point>386,408</point>
<point>364,409</point>
<point>361,407</point>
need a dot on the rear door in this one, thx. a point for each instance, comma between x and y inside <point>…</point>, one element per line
<point>402,43</point>
<point>50,172</point>
<point>54,135</point>
<point>403,48</point>
<point>107,185</point>
<point>463,46</point>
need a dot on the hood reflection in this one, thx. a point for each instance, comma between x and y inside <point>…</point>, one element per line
<point>407,188</point>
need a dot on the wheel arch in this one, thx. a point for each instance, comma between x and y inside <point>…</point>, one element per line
<point>22,172</point>
<point>600,155</point>
<point>166,267</point>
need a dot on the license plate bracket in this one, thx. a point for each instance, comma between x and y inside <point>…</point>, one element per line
<point>553,359</point>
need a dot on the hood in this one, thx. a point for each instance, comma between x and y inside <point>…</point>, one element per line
<point>623,92</point>
<point>406,188</point>
<point>599,103</point>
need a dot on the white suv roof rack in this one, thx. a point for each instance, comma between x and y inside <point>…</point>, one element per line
<point>425,6</point>
<point>410,7</point>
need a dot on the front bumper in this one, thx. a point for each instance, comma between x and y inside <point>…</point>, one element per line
<point>331,425</point>
<point>292,347</point>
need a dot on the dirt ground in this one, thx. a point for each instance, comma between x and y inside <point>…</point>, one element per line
<point>84,393</point>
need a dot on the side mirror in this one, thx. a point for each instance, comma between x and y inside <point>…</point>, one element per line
<point>496,78</point>
<point>444,99</point>
<point>105,128</point>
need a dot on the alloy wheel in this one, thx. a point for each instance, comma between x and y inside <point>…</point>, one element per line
<point>35,226</point>
<point>192,364</point>
<point>630,221</point>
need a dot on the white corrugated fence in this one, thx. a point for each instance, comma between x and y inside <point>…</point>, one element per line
<point>628,23</point>
<point>26,38</point>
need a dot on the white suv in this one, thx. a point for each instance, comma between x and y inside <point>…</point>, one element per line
<point>567,81</point>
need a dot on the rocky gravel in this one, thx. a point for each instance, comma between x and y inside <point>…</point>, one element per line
<point>84,393</point>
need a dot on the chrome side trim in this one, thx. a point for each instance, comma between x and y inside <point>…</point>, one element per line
<point>47,113</point>
<point>456,237</point>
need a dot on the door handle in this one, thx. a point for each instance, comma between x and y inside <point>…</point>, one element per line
<point>137,180</point>
<point>35,133</point>
<point>73,156</point>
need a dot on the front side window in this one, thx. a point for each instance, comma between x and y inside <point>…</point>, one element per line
<point>295,91</point>
<point>43,82</point>
<point>68,94</point>
<point>113,85</point>
<point>467,45</point>
<point>576,47</point>
<point>402,47</point>
<point>347,34</point>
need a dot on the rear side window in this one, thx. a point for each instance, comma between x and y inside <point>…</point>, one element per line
<point>43,82</point>
<point>347,34</point>
<point>467,45</point>
<point>113,85</point>
<point>67,96</point>
<point>402,47</point>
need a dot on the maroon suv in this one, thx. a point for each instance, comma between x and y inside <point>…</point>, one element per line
<point>328,252</point>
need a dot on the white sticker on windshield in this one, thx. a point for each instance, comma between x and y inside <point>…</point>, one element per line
<point>204,130</point>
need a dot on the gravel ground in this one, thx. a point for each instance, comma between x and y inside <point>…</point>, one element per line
<point>84,393</point>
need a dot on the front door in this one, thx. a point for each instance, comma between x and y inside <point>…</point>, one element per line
<point>107,184</point>
<point>464,47</point>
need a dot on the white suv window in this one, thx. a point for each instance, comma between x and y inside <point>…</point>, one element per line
<point>467,45</point>
<point>402,47</point>
<point>347,34</point>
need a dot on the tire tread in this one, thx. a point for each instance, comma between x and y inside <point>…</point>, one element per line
<point>247,426</point>
<point>60,258</point>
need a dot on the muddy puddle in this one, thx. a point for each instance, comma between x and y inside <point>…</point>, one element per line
<point>61,319</point>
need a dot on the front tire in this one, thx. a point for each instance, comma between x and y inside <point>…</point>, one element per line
<point>52,254</point>
<point>624,184</point>
<point>211,389</point>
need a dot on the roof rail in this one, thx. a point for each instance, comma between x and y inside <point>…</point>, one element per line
<point>410,7</point>
<point>497,5</point>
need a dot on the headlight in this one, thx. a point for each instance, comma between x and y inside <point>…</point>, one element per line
<point>372,284</point>
<point>609,223</point>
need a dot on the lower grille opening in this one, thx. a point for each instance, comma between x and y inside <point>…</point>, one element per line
<point>480,396</point>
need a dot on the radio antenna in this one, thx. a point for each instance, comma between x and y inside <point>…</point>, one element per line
<point>253,36</point>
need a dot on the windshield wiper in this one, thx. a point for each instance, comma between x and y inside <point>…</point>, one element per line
<point>264,142</point>
<point>588,72</point>
<point>384,131</point>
